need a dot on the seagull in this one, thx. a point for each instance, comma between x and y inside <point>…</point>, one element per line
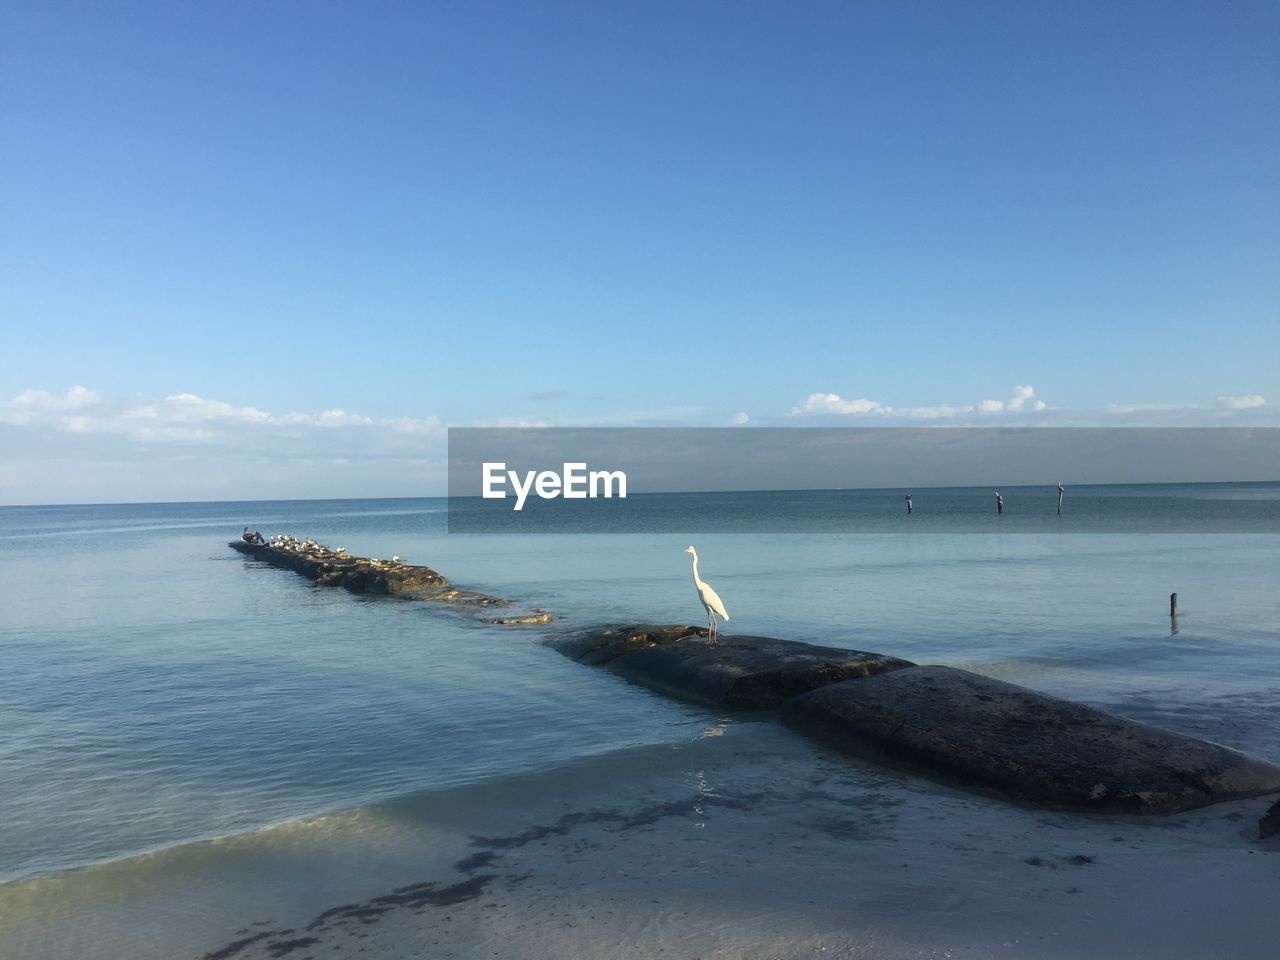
<point>395,559</point>
<point>710,599</point>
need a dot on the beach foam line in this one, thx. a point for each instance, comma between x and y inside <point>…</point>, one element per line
<point>596,766</point>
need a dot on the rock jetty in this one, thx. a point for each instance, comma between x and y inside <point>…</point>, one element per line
<point>951,725</point>
<point>372,576</point>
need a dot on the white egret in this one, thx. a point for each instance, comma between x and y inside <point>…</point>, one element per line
<point>710,599</point>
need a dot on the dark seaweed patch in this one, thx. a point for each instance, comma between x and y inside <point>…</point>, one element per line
<point>429,894</point>
<point>284,947</point>
<point>416,895</point>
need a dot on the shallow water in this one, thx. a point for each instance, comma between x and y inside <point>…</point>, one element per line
<point>159,689</point>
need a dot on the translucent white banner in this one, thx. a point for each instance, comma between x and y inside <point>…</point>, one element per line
<point>881,480</point>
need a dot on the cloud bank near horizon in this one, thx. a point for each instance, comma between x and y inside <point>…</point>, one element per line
<point>78,446</point>
<point>181,418</point>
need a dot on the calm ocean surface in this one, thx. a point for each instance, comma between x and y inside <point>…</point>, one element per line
<point>157,688</point>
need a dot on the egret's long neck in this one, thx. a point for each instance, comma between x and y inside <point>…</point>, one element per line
<point>695,569</point>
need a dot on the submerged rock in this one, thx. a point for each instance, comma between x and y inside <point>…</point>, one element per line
<point>758,673</point>
<point>1029,747</point>
<point>537,617</point>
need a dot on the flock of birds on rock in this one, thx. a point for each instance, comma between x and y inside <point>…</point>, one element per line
<point>288,543</point>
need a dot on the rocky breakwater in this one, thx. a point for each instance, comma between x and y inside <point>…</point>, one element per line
<point>951,725</point>
<point>373,576</point>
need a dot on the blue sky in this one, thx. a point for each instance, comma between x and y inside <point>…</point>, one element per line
<point>314,235</point>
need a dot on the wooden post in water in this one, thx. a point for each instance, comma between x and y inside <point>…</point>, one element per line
<point>1173,614</point>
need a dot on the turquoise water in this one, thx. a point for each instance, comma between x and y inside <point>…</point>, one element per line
<point>157,688</point>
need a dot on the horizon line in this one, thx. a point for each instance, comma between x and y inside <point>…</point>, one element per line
<point>650,493</point>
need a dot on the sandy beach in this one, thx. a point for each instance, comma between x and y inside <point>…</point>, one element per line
<point>747,841</point>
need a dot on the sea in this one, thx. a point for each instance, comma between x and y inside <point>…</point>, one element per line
<point>172,711</point>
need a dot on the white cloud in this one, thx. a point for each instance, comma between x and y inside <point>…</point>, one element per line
<point>738,419</point>
<point>1246,402</point>
<point>1149,407</point>
<point>508,423</point>
<point>832,403</point>
<point>33,405</point>
<point>181,418</point>
<point>665,417</point>
<point>328,417</point>
<point>1021,394</point>
<point>416,425</point>
<point>77,424</point>
<point>79,396</point>
<point>189,419</point>
<point>1226,405</point>
<point>188,408</point>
